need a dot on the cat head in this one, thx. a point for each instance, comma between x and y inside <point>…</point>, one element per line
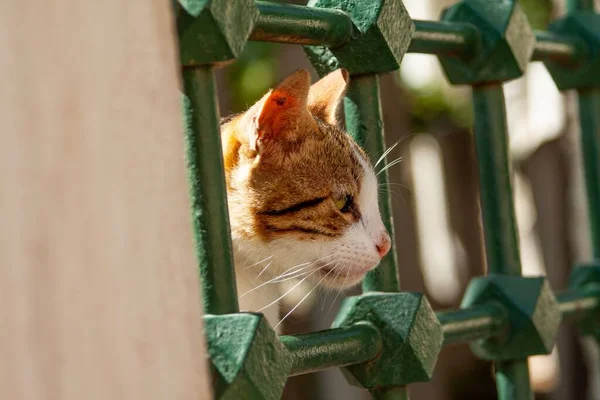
<point>302,194</point>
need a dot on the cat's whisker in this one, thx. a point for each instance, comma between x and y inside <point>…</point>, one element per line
<point>339,291</point>
<point>385,153</point>
<point>279,280</point>
<point>259,262</point>
<point>391,192</point>
<point>330,287</point>
<point>305,296</point>
<point>395,184</point>
<point>303,265</point>
<point>298,273</point>
<point>275,279</point>
<point>389,149</point>
<point>289,290</point>
<point>264,269</point>
<point>389,165</point>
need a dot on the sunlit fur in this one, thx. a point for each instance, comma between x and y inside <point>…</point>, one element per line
<point>286,160</point>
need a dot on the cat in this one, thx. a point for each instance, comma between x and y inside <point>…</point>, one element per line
<point>302,194</point>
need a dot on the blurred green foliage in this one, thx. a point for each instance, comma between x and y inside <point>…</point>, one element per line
<point>539,12</point>
<point>253,74</point>
<point>432,104</point>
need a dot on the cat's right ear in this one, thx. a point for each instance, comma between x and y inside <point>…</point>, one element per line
<point>281,114</point>
<point>326,95</point>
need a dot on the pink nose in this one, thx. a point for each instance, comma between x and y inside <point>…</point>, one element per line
<point>384,244</point>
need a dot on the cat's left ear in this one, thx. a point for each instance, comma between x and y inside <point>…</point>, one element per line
<point>282,114</point>
<point>326,95</point>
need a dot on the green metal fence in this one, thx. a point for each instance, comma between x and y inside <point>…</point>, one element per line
<point>386,339</point>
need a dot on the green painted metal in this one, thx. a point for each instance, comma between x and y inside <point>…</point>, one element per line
<point>248,361</point>
<point>383,30</point>
<point>499,224</point>
<point>564,50</point>
<point>502,248</point>
<point>474,323</point>
<point>206,34</point>
<point>286,23</point>
<point>512,380</point>
<point>411,336</point>
<point>589,117</point>
<point>506,42</point>
<point>399,393</point>
<point>533,313</point>
<point>207,188</point>
<point>580,303</point>
<point>364,122</point>
<point>459,40</point>
<point>336,347</point>
<point>585,281</point>
<point>584,74</point>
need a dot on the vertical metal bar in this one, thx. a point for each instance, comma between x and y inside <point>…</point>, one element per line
<point>399,393</point>
<point>499,224</point>
<point>208,192</point>
<point>364,122</point>
<point>501,240</point>
<point>589,118</point>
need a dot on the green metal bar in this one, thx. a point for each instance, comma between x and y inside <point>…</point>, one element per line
<point>552,47</point>
<point>285,23</point>
<point>512,380</point>
<point>434,37</point>
<point>398,393</point>
<point>208,192</point>
<point>473,323</point>
<point>500,232</point>
<point>337,347</point>
<point>500,229</point>
<point>360,343</point>
<point>580,302</point>
<point>589,117</point>
<point>364,122</point>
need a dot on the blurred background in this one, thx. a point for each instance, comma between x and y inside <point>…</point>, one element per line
<point>436,208</point>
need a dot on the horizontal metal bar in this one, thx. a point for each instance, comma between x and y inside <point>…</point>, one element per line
<point>285,23</point>
<point>433,37</point>
<point>336,347</point>
<point>472,323</point>
<point>552,47</point>
<point>359,343</point>
<point>580,302</point>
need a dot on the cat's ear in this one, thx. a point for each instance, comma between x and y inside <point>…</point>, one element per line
<point>326,95</point>
<point>282,110</point>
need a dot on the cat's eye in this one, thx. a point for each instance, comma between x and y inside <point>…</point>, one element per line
<point>343,203</point>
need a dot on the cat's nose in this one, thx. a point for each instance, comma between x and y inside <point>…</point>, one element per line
<point>383,245</point>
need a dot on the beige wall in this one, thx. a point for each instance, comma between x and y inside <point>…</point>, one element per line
<point>98,292</point>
